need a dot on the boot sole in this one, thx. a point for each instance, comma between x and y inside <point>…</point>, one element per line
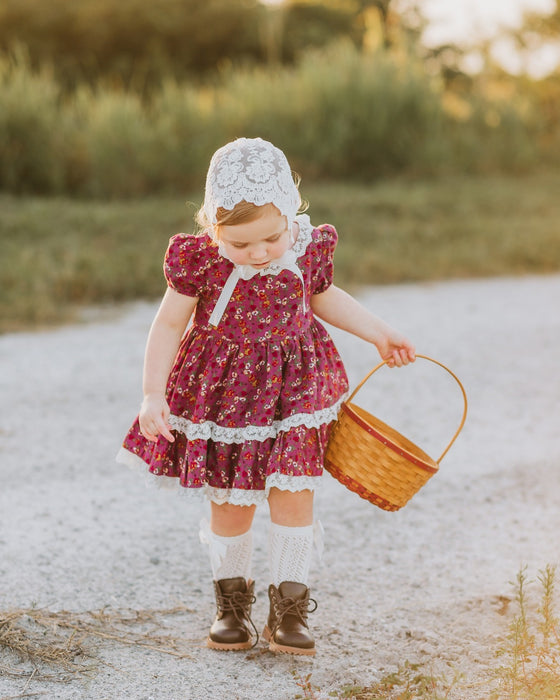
<point>222,646</point>
<point>282,649</point>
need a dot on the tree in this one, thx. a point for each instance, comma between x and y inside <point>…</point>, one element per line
<point>131,41</point>
<point>539,30</point>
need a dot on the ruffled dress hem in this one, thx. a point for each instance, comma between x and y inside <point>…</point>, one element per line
<point>239,497</point>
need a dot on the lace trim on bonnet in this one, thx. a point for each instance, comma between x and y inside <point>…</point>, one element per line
<point>252,170</point>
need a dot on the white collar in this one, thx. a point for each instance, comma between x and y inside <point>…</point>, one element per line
<point>288,261</point>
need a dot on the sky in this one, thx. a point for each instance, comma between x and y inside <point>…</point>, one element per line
<point>467,21</point>
<point>464,20</point>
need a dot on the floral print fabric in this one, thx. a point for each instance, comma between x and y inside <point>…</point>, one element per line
<point>252,399</point>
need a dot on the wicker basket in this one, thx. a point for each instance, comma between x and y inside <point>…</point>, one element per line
<point>374,460</point>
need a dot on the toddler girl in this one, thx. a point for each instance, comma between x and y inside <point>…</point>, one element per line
<point>238,408</point>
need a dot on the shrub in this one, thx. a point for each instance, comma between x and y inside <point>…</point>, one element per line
<point>340,112</point>
<point>119,143</point>
<point>31,128</point>
<point>187,131</point>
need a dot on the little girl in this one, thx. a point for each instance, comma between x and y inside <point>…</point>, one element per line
<point>239,407</point>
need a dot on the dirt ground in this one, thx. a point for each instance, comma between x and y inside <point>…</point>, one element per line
<point>429,584</point>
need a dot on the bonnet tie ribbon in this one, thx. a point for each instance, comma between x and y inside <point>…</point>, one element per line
<point>246,272</point>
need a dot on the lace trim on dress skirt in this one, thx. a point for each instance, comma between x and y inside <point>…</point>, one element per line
<point>208,430</point>
<point>238,497</point>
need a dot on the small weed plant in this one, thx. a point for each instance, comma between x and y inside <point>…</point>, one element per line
<point>409,682</point>
<point>530,655</point>
<point>532,648</point>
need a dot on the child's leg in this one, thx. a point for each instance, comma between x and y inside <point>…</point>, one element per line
<point>231,540</point>
<point>291,535</point>
<point>230,543</point>
<point>229,520</point>
<point>291,548</point>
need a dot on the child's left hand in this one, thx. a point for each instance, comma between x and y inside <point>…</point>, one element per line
<point>396,349</point>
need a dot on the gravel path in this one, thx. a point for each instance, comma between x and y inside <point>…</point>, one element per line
<point>428,584</point>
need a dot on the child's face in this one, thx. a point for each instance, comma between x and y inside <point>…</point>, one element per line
<point>259,242</point>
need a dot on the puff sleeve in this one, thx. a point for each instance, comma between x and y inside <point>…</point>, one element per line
<point>322,276</point>
<point>183,265</point>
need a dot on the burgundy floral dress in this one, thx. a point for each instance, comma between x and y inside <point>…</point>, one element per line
<point>252,398</point>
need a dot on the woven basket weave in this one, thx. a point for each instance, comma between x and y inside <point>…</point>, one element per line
<point>374,460</point>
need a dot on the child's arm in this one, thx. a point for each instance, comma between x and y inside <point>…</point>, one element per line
<point>340,309</point>
<point>163,342</point>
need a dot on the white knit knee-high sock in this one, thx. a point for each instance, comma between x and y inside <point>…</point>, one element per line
<point>229,556</point>
<point>290,551</point>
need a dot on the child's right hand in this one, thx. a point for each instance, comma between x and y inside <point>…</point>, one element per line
<point>153,418</point>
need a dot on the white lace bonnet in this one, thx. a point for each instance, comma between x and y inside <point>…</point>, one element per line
<point>253,170</point>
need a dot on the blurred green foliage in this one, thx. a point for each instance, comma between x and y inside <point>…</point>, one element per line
<point>339,112</point>
<point>30,136</point>
<point>138,43</point>
<point>100,98</point>
<point>107,100</point>
<point>58,254</point>
<point>129,40</point>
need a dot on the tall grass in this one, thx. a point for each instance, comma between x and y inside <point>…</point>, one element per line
<point>342,113</point>
<point>338,114</point>
<point>59,254</point>
<point>31,128</point>
<point>532,648</point>
<point>187,128</point>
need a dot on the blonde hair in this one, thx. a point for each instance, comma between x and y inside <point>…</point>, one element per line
<point>242,213</point>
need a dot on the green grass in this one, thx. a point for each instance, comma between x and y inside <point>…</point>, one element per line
<point>58,255</point>
<point>444,228</point>
<point>408,682</point>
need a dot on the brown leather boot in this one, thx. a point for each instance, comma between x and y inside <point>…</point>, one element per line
<point>287,631</point>
<point>233,628</point>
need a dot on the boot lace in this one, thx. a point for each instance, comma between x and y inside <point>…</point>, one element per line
<point>238,603</point>
<point>299,608</point>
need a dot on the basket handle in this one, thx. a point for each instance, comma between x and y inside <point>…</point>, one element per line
<point>425,357</point>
